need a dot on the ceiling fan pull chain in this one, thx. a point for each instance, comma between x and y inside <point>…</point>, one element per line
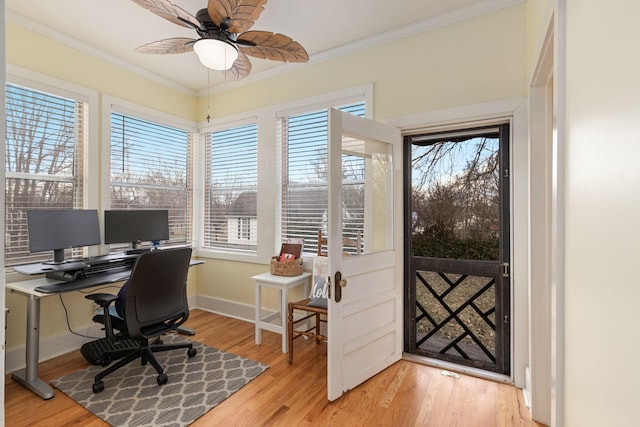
<point>208,94</point>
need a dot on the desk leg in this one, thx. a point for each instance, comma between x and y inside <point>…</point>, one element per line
<point>28,377</point>
<point>258,314</point>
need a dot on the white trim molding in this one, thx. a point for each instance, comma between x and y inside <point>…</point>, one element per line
<point>515,112</point>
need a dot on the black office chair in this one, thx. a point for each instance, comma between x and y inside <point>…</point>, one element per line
<point>156,303</point>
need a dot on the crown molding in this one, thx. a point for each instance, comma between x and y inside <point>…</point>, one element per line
<point>17,19</point>
<point>475,10</point>
<point>478,9</point>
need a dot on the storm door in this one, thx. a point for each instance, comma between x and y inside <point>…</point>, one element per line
<point>457,299</point>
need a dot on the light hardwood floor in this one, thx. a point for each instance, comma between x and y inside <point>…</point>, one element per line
<point>405,394</point>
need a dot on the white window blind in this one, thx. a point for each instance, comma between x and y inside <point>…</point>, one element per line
<point>304,179</point>
<point>44,162</point>
<point>231,220</point>
<point>151,169</point>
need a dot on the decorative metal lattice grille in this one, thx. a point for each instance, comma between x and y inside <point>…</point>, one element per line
<point>457,314</point>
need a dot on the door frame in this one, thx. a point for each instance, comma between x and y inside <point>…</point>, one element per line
<point>3,71</point>
<point>540,380</point>
<point>515,110</point>
<point>497,269</point>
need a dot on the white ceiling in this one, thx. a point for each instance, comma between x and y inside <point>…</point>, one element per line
<point>112,29</point>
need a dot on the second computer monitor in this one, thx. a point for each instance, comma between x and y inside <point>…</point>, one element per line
<point>135,226</point>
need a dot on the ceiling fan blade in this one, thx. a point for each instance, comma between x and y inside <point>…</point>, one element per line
<point>241,13</point>
<point>240,69</point>
<point>170,12</point>
<point>276,47</point>
<point>168,46</point>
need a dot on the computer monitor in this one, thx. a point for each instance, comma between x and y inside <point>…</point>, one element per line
<point>58,229</point>
<point>135,226</point>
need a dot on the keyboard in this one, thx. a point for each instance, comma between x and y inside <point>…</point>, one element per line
<point>103,278</point>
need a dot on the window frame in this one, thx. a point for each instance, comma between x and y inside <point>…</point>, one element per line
<point>217,125</point>
<point>299,137</point>
<point>221,250</point>
<point>269,177</point>
<point>96,188</point>
<point>112,104</point>
<point>91,158</point>
<point>244,228</point>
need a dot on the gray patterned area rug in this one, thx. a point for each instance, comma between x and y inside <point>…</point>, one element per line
<point>132,397</point>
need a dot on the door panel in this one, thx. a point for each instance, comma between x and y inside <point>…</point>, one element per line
<point>365,305</point>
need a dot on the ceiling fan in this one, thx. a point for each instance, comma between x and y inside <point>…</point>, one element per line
<point>224,41</point>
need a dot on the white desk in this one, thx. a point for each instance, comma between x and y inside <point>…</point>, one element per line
<point>282,284</point>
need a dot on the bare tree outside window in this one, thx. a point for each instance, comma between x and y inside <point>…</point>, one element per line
<point>455,199</point>
<point>43,162</point>
<point>151,169</point>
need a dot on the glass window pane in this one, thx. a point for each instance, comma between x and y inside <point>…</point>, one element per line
<point>151,169</point>
<point>231,182</point>
<point>455,199</point>
<point>367,195</point>
<point>304,178</point>
<point>43,163</point>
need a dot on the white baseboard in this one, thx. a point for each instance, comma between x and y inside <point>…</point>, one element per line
<point>526,391</point>
<point>226,308</point>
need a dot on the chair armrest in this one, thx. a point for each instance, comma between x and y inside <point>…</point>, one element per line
<point>103,300</point>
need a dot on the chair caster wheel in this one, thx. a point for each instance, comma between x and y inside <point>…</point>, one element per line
<point>191,352</point>
<point>98,387</point>
<point>162,379</point>
<point>105,361</point>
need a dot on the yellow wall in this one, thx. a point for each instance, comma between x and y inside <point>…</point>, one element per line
<point>539,18</point>
<point>483,59</point>
<point>231,281</point>
<point>35,52</point>
<point>478,60</point>
<point>53,322</point>
<point>32,51</point>
<point>52,315</point>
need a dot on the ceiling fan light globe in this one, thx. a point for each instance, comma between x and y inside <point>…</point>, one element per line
<point>215,54</point>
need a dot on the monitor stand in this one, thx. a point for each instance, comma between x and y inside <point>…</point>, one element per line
<point>136,249</point>
<point>58,258</point>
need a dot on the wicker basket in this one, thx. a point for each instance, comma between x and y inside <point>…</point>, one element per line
<point>287,268</point>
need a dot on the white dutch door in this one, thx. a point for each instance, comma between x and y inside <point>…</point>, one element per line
<point>365,304</point>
